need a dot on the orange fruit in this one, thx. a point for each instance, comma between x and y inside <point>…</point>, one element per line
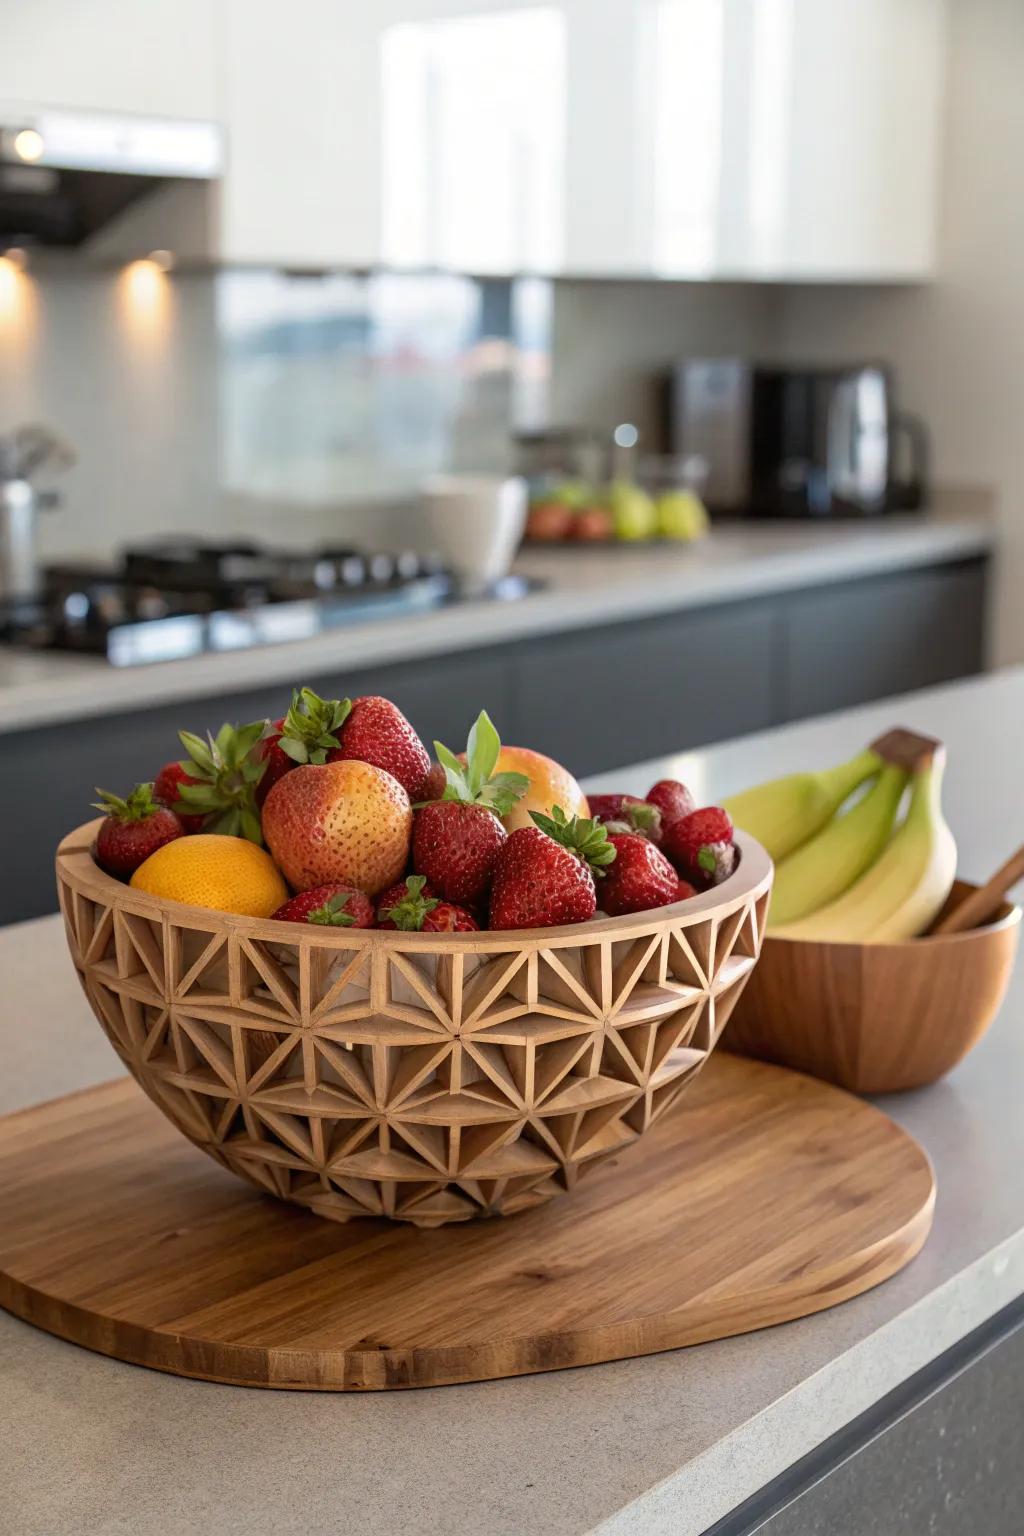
<point>344,823</point>
<point>550,785</point>
<point>228,874</point>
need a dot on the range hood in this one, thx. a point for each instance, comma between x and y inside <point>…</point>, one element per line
<point>65,176</point>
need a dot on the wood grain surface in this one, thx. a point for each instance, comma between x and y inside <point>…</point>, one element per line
<point>770,1197</point>
<point>427,1077</point>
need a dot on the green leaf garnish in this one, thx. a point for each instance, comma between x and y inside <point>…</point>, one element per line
<point>332,914</point>
<point>311,726</point>
<point>227,771</point>
<point>408,914</point>
<point>583,835</point>
<point>134,807</point>
<point>475,781</point>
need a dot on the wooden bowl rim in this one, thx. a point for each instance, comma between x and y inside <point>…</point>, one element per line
<point>751,877</point>
<point>1008,916</point>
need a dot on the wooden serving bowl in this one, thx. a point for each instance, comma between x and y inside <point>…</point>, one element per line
<point>424,1077</point>
<point>877,1018</point>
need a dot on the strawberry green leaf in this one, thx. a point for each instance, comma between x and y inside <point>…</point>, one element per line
<point>227,771</point>
<point>408,914</point>
<point>482,747</point>
<point>200,755</point>
<point>312,726</point>
<point>135,807</point>
<point>475,782</point>
<point>706,859</point>
<point>250,825</point>
<point>582,835</point>
<point>502,790</point>
<point>332,914</point>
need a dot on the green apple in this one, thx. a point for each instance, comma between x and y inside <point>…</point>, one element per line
<point>681,515</point>
<point>632,512</point>
<point>572,493</point>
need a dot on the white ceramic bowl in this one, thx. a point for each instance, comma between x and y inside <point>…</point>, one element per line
<point>475,523</point>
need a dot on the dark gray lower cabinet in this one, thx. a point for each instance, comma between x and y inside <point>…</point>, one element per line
<point>603,698</point>
<point>947,1464</point>
<point>595,699</point>
<point>849,644</point>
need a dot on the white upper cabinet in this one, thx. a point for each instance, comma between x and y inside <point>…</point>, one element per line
<point>774,139</point>
<point>302,116</point>
<point>159,58</point>
<point>761,139</point>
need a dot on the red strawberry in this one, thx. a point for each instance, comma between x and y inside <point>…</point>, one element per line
<point>377,732</point>
<point>672,799</point>
<point>417,913</point>
<point>167,790</point>
<point>435,783</point>
<point>455,846</point>
<point>456,840</point>
<point>331,906</point>
<point>544,874</point>
<point>306,734</point>
<point>684,890</point>
<point>396,893</point>
<point>700,845</point>
<point>640,877</point>
<point>133,829</point>
<point>625,813</point>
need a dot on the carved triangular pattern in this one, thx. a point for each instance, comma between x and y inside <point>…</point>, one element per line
<point>424,1085</point>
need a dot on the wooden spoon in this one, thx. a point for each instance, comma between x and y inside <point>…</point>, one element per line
<point>983,903</point>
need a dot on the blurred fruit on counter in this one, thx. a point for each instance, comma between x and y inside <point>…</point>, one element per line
<point>662,502</point>
<point>681,515</point>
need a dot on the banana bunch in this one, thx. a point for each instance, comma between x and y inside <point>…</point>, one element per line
<point>855,871</point>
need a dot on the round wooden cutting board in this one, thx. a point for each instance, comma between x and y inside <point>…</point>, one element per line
<point>764,1196</point>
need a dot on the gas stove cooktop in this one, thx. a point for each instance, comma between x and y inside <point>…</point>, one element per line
<point>180,598</point>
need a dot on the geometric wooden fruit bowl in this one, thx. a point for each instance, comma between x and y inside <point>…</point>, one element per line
<point>878,1018</point>
<point>424,1077</point>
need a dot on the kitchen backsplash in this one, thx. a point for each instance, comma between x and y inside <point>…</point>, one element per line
<point>264,402</point>
<point>298,407</point>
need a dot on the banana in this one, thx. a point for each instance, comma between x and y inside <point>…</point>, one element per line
<point>900,895</point>
<point>821,870</point>
<point>787,812</point>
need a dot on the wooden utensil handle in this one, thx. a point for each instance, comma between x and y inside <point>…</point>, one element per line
<point>983,903</point>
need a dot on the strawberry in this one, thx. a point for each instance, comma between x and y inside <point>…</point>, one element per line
<point>220,779</point>
<point>456,840</point>
<point>433,786</point>
<point>700,845</point>
<point>376,732</point>
<point>641,876</point>
<point>331,906</point>
<point>544,874</point>
<point>132,830</point>
<point>625,813</point>
<point>684,890</point>
<point>167,790</point>
<point>672,799</point>
<point>398,892</point>
<point>418,913</point>
<point>306,734</point>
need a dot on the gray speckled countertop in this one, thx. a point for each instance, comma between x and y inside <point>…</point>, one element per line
<point>582,587</point>
<point>667,1443</point>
